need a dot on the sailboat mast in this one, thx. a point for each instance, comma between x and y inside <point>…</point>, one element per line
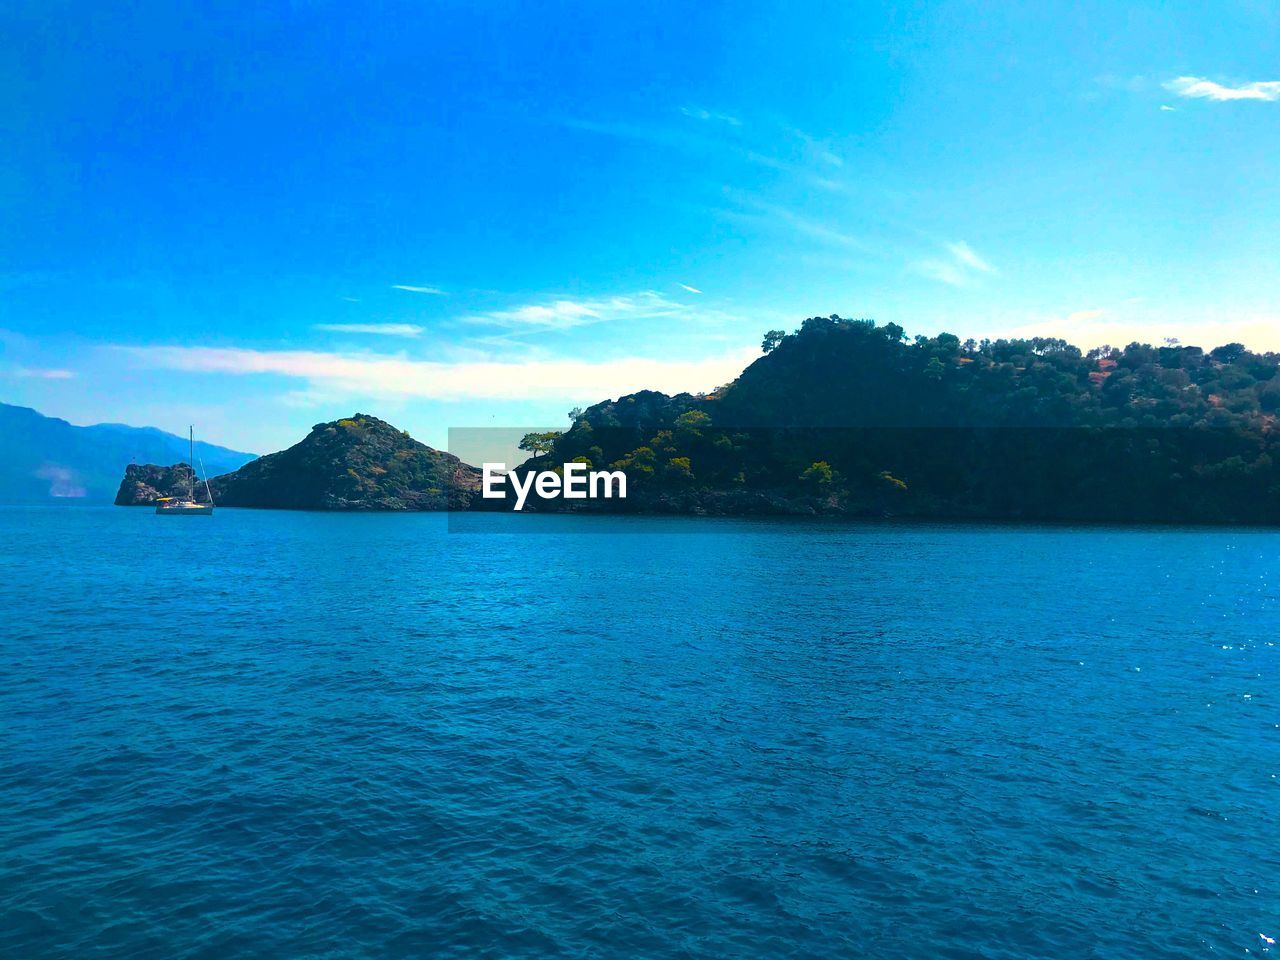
<point>191,459</point>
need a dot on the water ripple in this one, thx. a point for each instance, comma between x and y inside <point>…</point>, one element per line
<point>290,735</point>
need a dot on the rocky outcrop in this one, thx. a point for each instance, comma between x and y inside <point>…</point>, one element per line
<point>145,483</point>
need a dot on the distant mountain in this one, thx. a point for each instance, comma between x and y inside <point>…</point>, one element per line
<point>47,460</point>
<point>359,463</point>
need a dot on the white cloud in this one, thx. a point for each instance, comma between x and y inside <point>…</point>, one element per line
<point>564,314</point>
<point>435,291</point>
<point>685,286</point>
<point>380,375</point>
<point>375,329</point>
<point>1168,109</point>
<point>1268,90</point>
<point>959,269</point>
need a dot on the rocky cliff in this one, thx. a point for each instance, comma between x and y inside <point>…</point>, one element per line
<point>145,483</point>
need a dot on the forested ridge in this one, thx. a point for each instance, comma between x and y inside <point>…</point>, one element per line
<point>845,416</point>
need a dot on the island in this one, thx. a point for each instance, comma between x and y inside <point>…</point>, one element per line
<point>849,418</point>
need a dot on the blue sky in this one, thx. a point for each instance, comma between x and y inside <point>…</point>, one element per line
<point>479,214</point>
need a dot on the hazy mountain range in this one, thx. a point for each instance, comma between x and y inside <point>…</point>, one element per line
<point>48,460</point>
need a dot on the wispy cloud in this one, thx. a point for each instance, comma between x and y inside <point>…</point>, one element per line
<point>374,329</point>
<point>824,232</point>
<point>380,375</point>
<point>564,314</point>
<point>43,373</point>
<point>1199,87</point>
<point>803,171</point>
<point>966,255</point>
<point>1168,109</point>
<point>1126,84</point>
<point>677,136</point>
<point>817,149</point>
<point>434,291</point>
<point>809,227</point>
<point>958,269</point>
<point>697,113</point>
<point>685,286</point>
<point>812,163</point>
<point>1080,316</point>
<point>942,271</point>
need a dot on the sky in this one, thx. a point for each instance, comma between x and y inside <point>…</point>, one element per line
<point>255,218</point>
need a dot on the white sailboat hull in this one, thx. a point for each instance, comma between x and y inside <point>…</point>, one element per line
<point>181,509</point>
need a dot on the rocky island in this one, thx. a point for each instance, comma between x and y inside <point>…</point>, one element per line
<point>357,463</point>
<point>145,483</point>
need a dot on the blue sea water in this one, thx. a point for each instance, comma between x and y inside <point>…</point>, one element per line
<point>282,735</point>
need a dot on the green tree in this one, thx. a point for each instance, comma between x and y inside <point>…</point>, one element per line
<point>1228,352</point>
<point>540,443</point>
<point>818,474</point>
<point>948,343</point>
<point>680,468</point>
<point>638,461</point>
<point>772,339</point>
<point>692,422</point>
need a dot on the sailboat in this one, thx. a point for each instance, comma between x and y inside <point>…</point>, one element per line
<point>174,506</point>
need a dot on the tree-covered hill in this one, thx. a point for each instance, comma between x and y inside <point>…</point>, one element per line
<point>845,416</point>
<point>862,374</point>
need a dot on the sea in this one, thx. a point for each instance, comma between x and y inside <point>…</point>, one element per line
<point>287,735</point>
